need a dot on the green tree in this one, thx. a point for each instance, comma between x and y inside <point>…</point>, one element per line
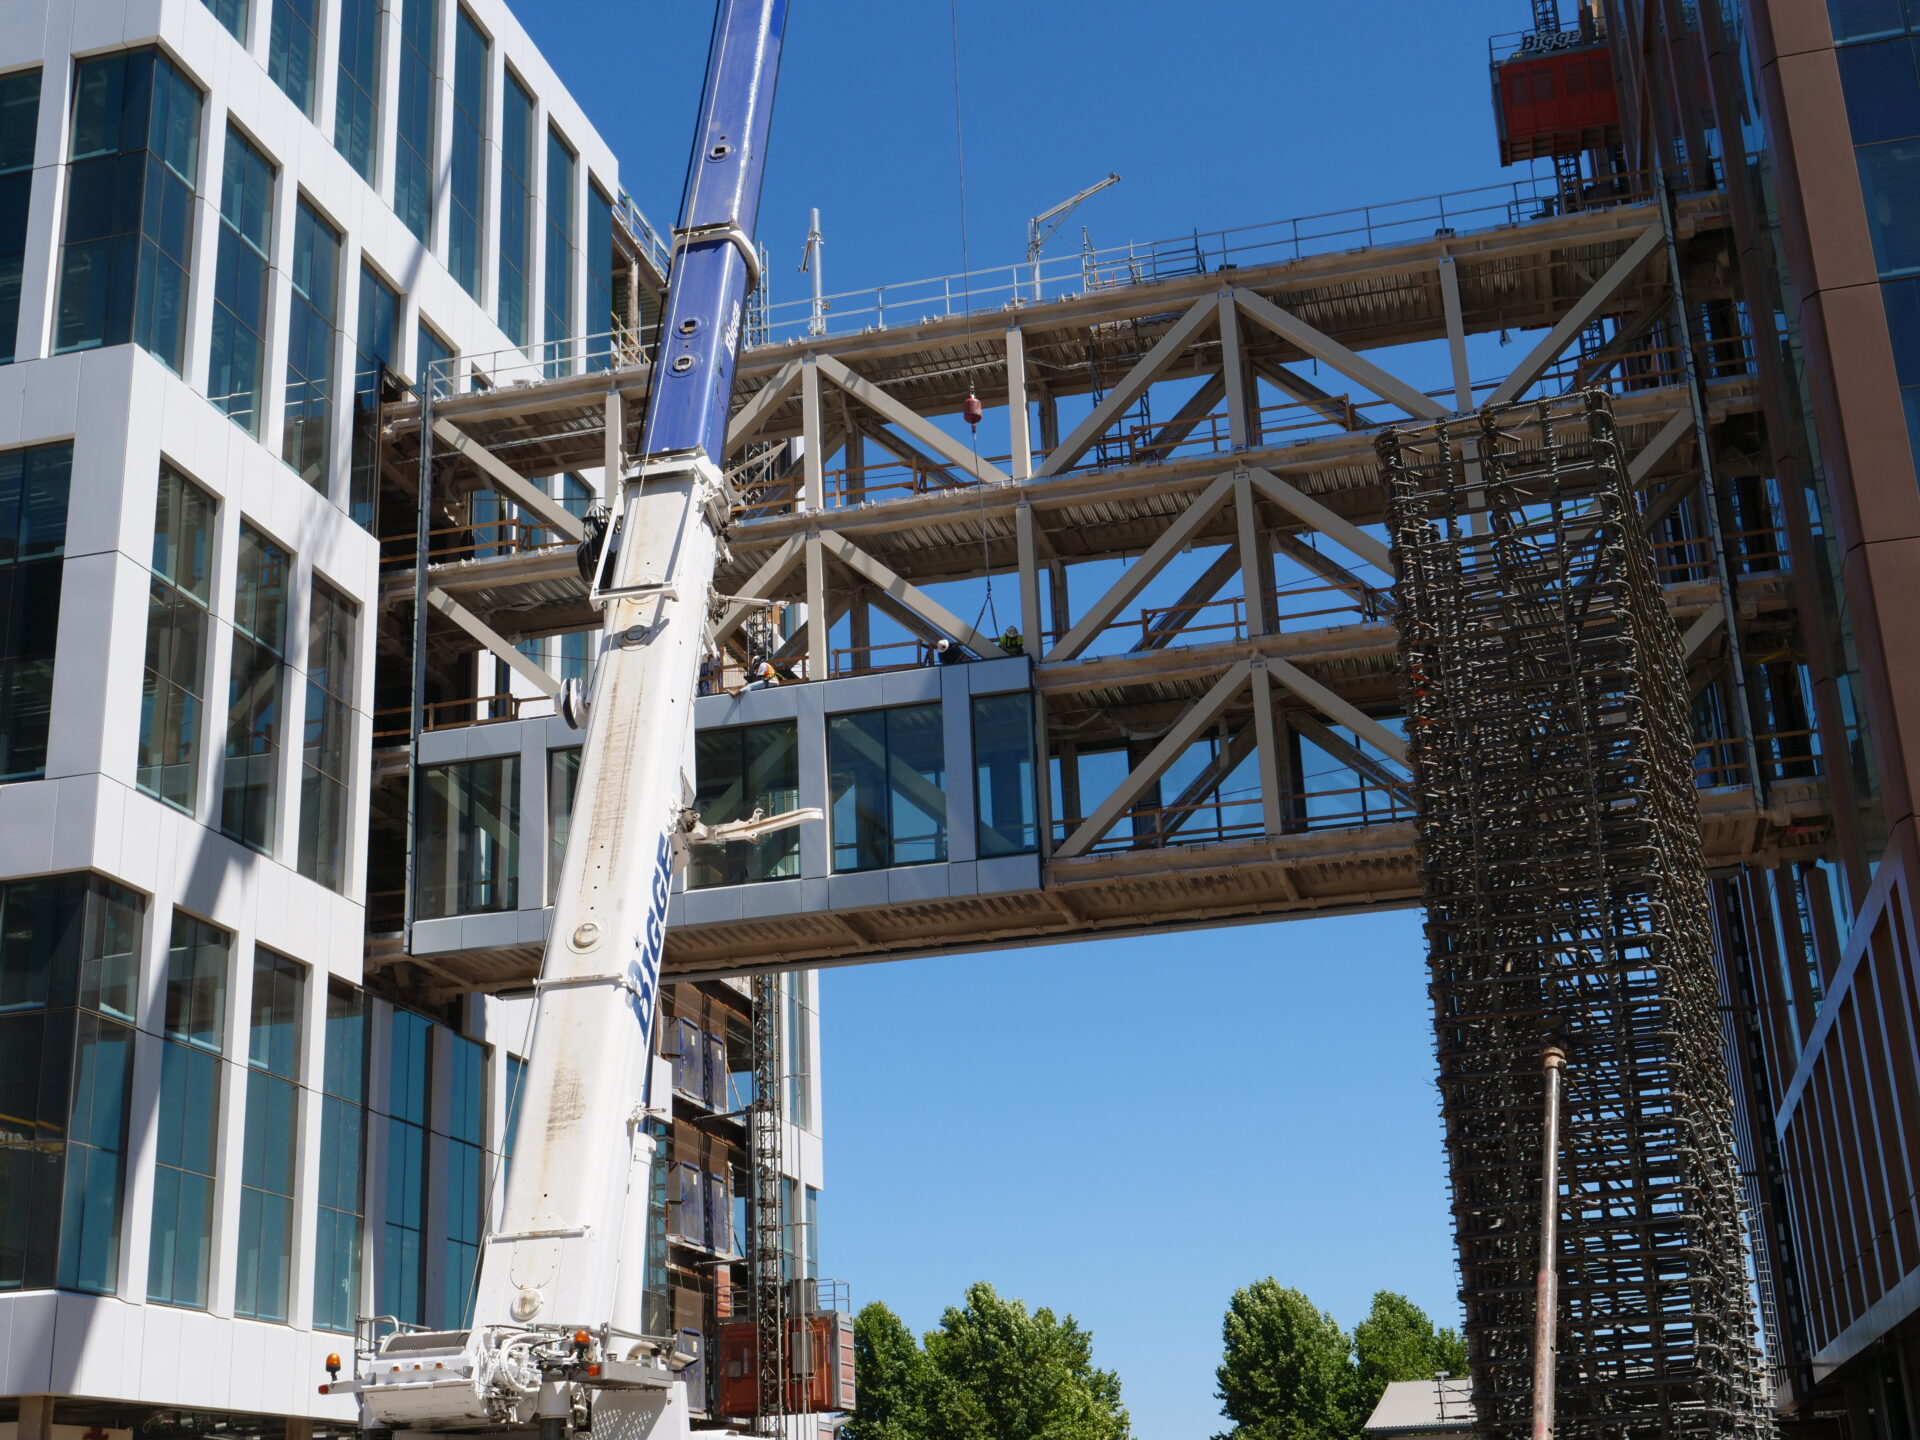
<point>996,1372</point>
<point>890,1379</point>
<point>1287,1372</point>
<point>1397,1341</point>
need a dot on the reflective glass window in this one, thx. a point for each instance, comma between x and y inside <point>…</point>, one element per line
<point>1004,795</point>
<point>357,85</point>
<point>563,783</point>
<point>336,1266</point>
<point>69,963</point>
<point>737,771</point>
<point>173,691</point>
<point>187,1158</point>
<point>33,536</point>
<point>126,244</point>
<point>1866,19</point>
<point>402,1270</point>
<point>469,838</point>
<point>376,352</point>
<point>562,253</point>
<point>1890,182</point>
<point>326,753</point>
<point>236,375</point>
<point>1882,90</point>
<point>467,162</point>
<point>19,124</point>
<point>265,1259</point>
<point>602,320</point>
<point>414,123</point>
<point>292,42</point>
<point>516,1092</point>
<point>307,436</point>
<point>886,785</point>
<point>516,208</point>
<point>799,1051</point>
<point>232,14</point>
<point>466,1169</point>
<point>436,365</point>
<point>256,692</point>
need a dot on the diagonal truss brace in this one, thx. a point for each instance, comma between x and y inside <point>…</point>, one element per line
<point>907,594</point>
<point>493,640</point>
<point>509,482</point>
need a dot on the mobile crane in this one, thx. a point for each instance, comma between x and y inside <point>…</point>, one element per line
<point>556,1336</point>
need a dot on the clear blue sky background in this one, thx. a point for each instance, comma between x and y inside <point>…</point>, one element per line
<point>1122,1130</point>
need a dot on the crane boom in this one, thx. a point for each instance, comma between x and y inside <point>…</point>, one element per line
<point>557,1325</point>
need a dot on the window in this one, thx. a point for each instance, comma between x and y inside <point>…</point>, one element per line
<point>799,1051</point>
<point>19,123</point>
<point>267,1161</point>
<point>403,1251</point>
<point>1865,19</point>
<point>563,781</point>
<point>788,1248</point>
<point>436,368</point>
<point>326,753</point>
<point>469,838</point>
<point>601,319</point>
<point>516,208</point>
<point>292,42</point>
<point>561,254</point>
<point>812,1223</point>
<point>466,169</point>
<point>466,1155</point>
<point>719,1215</point>
<point>33,538</point>
<point>233,15</point>
<point>336,1266</point>
<point>237,372</point>
<point>69,962</point>
<point>376,350</point>
<point>1902,299</point>
<point>737,771</point>
<point>1890,183</point>
<point>516,1087</point>
<point>254,692</point>
<point>127,246</point>
<point>1882,90</point>
<point>1003,782</point>
<point>174,689</point>
<point>188,1156</point>
<point>306,442</point>
<point>356,85</point>
<point>686,1219</point>
<point>887,787</point>
<point>414,124</point>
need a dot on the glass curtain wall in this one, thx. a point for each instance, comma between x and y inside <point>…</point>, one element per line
<point>886,785</point>
<point>255,693</point>
<point>69,968</point>
<point>601,318</point>
<point>355,105</point>
<point>326,754</point>
<point>467,165</point>
<point>292,42</point>
<point>414,123</point>
<point>232,14</point>
<point>187,1159</point>
<point>469,838</point>
<point>403,1242</point>
<point>1004,794</point>
<point>33,542</point>
<point>173,692</point>
<point>265,1262</point>
<point>737,771</point>
<point>435,366</point>
<point>376,350</point>
<point>466,1175</point>
<point>336,1265</point>
<point>307,435</point>
<point>562,252</point>
<point>563,782</point>
<point>516,209</point>
<point>126,247</point>
<point>236,376</point>
<point>19,124</point>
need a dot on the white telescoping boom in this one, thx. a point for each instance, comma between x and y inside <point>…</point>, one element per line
<point>557,1314</point>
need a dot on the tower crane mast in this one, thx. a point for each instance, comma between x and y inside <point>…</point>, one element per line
<point>557,1330</point>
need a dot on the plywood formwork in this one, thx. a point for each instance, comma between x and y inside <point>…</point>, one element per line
<point>1562,873</point>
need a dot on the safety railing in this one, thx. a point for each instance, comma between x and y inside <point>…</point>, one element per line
<point>1721,763</point>
<point>394,723</point>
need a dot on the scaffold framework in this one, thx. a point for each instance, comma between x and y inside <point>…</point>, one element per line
<point>1566,902</point>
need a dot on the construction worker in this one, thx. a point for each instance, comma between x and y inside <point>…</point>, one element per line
<point>761,675</point>
<point>1012,642</point>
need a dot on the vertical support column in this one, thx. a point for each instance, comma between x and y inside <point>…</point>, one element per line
<point>1020,465</point>
<point>1029,555</point>
<point>36,1417</point>
<point>1049,423</point>
<point>818,620</point>
<point>1456,335</point>
<point>812,433</point>
<point>615,459</point>
<point>1254,573</point>
<point>1266,740</point>
<point>1233,369</point>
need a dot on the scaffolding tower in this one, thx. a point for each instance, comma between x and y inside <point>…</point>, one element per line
<point>1567,906</point>
<point>766,1258</point>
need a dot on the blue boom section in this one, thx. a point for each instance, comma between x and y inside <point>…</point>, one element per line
<point>708,287</point>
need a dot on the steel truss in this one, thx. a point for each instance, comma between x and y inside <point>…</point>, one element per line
<point>1567,904</point>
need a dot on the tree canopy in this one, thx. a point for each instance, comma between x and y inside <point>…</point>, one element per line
<point>991,1371</point>
<point>1289,1372</point>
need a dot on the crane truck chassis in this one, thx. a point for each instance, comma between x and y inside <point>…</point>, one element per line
<point>557,1333</point>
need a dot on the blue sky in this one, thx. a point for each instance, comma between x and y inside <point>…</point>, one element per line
<point>1122,1130</point>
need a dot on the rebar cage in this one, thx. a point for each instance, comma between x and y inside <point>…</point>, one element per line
<point>1566,904</point>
